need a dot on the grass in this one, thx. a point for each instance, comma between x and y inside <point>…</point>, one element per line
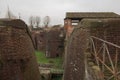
<point>57,62</point>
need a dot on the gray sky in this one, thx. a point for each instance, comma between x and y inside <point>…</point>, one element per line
<point>56,9</point>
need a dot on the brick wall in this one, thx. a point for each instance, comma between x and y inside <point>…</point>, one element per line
<point>17,58</point>
<point>49,41</point>
<point>54,43</point>
<point>106,29</point>
<point>74,67</point>
<point>39,39</point>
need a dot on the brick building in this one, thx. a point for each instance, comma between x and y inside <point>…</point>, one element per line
<point>72,19</point>
<point>105,25</point>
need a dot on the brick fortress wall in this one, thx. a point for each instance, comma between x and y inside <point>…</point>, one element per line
<point>17,58</point>
<point>74,67</point>
<point>106,29</point>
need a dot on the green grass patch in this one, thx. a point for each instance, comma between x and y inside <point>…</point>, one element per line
<point>57,62</point>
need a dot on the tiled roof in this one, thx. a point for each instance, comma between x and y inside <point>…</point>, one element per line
<point>92,15</point>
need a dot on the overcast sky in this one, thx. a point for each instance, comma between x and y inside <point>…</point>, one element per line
<point>56,9</point>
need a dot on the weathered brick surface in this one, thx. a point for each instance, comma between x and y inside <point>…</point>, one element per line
<point>49,41</point>
<point>106,29</point>
<point>75,55</point>
<point>54,43</point>
<point>17,58</point>
<point>39,38</point>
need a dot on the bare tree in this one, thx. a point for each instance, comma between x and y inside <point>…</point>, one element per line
<point>46,21</point>
<point>10,15</point>
<point>37,21</point>
<point>19,15</point>
<point>34,21</point>
<point>31,21</point>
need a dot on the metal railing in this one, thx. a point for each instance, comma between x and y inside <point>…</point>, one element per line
<point>104,59</point>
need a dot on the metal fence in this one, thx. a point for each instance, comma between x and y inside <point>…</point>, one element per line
<point>108,62</point>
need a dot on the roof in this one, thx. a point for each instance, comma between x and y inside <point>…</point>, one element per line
<point>92,15</point>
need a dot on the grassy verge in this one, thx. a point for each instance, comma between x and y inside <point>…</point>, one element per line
<point>57,62</point>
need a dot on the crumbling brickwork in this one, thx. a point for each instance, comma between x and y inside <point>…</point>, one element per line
<point>49,40</point>
<point>39,39</point>
<point>54,43</point>
<point>17,58</point>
